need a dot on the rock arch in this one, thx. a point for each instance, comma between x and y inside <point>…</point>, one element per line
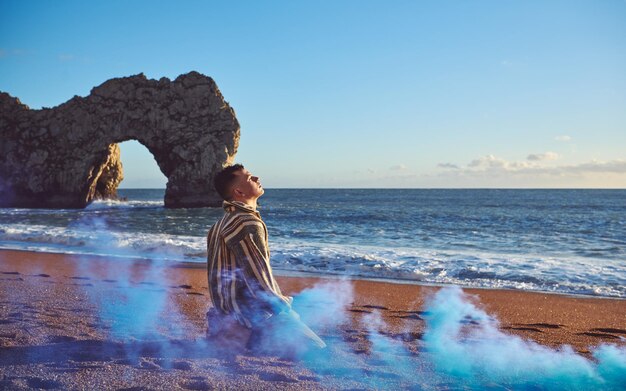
<point>66,156</point>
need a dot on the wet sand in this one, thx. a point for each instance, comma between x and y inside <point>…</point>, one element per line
<point>79,322</point>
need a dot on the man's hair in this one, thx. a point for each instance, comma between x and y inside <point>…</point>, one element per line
<point>224,179</point>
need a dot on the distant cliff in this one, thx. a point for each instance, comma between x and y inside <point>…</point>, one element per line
<point>66,156</point>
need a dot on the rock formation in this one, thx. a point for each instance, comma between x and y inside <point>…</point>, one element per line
<point>111,175</point>
<point>66,156</point>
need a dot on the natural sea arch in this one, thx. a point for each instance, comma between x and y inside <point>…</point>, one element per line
<point>66,156</point>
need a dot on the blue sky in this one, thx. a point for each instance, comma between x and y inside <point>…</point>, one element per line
<point>358,93</point>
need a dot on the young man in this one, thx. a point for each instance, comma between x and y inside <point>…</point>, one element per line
<point>241,284</point>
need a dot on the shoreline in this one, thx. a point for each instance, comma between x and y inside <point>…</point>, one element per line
<point>312,274</point>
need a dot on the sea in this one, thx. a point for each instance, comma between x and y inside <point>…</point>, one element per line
<point>562,241</point>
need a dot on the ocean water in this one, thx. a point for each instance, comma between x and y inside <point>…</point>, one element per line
<point>567,241</point>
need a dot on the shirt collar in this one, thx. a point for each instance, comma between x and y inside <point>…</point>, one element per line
<point>231,206</point>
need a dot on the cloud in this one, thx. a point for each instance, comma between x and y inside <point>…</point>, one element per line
<point>491,165</point>
<point>538,157</point>
<point>487,161</point>
<point>448,165</point>
<point>398,167</point>
<point>563,138</point>
<point>371,171</point>
<point>610,167</point>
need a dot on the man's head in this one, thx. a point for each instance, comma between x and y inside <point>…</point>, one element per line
<point>235,183</point>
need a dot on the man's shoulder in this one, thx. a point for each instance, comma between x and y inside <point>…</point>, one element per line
<point>236,217</point>
<point>234,222</point>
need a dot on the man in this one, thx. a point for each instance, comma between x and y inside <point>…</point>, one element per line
<point>241,283</point>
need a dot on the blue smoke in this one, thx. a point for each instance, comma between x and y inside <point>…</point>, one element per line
<point>132,303</point>
<point>325,306</point>
<point>461,347</point>
<point>464,342</point>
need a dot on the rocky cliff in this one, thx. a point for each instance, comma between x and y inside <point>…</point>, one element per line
<point>66,156</point>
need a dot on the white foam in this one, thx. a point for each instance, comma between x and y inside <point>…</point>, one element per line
<point>110,204</point>
<point>82,239</point>
<point>469,269</point>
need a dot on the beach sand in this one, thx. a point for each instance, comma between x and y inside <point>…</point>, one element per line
<point>87,322</point>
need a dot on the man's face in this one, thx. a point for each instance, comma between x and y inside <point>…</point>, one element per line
<point>247,186</point>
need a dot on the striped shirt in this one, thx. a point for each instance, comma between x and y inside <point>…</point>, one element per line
<point>239,272</point>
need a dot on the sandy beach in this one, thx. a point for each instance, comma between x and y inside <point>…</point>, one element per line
<point>87,322</point>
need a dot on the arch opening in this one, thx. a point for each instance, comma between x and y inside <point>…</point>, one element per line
<point>140,170</point>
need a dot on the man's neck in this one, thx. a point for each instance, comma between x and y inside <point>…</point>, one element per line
<point>250,202</point>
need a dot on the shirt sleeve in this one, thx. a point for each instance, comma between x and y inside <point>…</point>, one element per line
<point>252,254</point>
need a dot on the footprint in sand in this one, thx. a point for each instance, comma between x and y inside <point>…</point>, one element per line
<point>420,313</point>
<point>13,278</point>
<point>375,307</point>
<point>376,362</point>
<point>404,337</point>
<point>337,371</point>
<point>382,375</point>
<point>35,382</point>
<point>169,364</point>
<point>182,365</point>
<point>360,311</point>
<point>600,335</point>
<point>610,330</point>
<point>546,325</point>
<point>61,339</point>
<point>411,336</point>
<point>199,384</point>
<point>66,370</point>
<point>148,365</point>
<point>533,329</point>
<point>351,338</point>
<point>272,377</point>
<point>412,316</point>
<point>124,361</point>
<point>7,383</point>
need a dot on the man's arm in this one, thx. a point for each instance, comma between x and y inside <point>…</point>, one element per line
<point>248,244</point>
